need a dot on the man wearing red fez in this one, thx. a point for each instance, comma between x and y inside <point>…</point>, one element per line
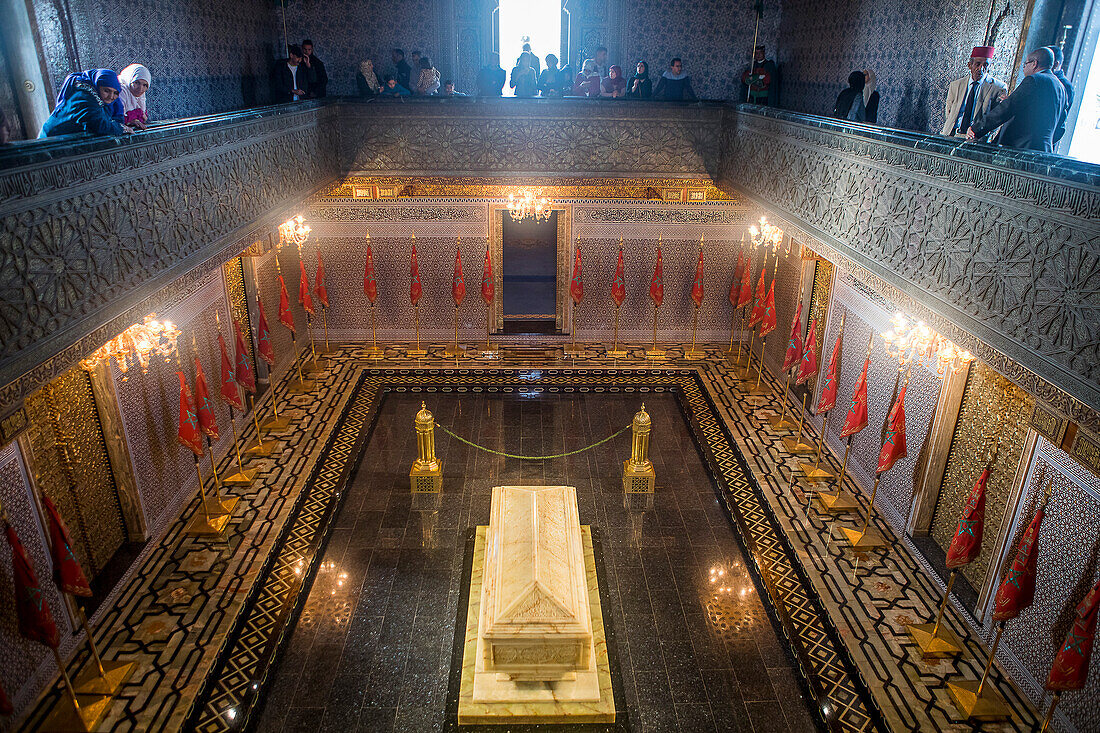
<point>970,98</point>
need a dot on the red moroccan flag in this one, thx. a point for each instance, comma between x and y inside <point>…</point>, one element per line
<point>807,367</point>
<point>1071,665</point>
<point>370,284</point>
<point>458,282</point>
<point>263,336</point>
<point>736,284</point>
<point>966,545</point>
<point>487,283</point>
<point>5,704</point>
<point>893,449</point>
<point>35,620</point>
<point>768,321</point>
<point>618,281</point>
<point>67,572</point>
<point>243,373</point>
<point>285,316</point>
<point>208,421</point>
<point>230,392</point>
<point>828,387</point>
<point>744,296</point>
<point>697,283</point>
<point>657,285</point>
<point>303,290</point>
<point>188,433</point>
<point>761,299</point>
<point>794,342</point>
<point>319,288</point>
<point>857,413</point>
<point>416,289</point>
<point>576,283</point>
<point>1017,590</point>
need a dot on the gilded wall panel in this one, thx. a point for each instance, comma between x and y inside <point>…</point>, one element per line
<point>994,412</point>
<point>72,466</point>
<point>238,307</point>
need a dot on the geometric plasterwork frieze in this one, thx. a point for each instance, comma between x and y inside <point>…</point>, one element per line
<point>1009,258</point>
<point>86,239</point>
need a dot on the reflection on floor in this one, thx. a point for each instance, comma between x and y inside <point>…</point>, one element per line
<point>372,650</point>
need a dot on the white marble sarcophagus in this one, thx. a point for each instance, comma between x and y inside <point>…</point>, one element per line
<point>535,622</point>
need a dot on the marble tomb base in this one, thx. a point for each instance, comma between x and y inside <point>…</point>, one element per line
<point>535,649</point>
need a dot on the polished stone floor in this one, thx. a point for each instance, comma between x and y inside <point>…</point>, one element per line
<point>373,648</point>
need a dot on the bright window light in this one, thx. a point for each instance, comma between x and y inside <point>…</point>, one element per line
<point>1085,140</point>
<point>539,21</point>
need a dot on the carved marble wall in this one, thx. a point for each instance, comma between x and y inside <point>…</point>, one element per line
<point>340,228</point>
<point>1069,548</point>
<point>916,50</point>
<point>989,257</point>
<point>149,404</point>
<point>22,662</point>
<point>864,312</point>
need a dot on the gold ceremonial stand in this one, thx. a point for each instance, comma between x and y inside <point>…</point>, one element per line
<point>260,448</point>
<point>275,423</point>
<point>426,474</point>
<point>781,422</point>
<point>866,538</point>
<point>935,641</point>
<point>839,500</point>
<point>813,474</point>
<point>106,677</point>
<point>639,476</point>
<point>977,700</point>
<point>616,352</point>
<point>417,352</point>
<point>455,351</point>
<point>218,504</point>
<point>735,361</point>
<point>572,349</point>
<point>243,476</point>
<point>302,385</point>
<point>315,365</point>
<point>373,351</point>
<point>80,712</point>
<point>655,353</point>
<point>694,353</point>
<point>206,523</point>
<point>489,352</point>
<point>796,446</point>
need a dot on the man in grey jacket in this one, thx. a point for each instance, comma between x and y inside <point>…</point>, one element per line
<point>970,98</point>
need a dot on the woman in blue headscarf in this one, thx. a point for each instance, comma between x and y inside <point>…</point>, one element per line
<point>86,103</point>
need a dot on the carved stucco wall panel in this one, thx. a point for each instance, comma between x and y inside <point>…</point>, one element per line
<point>87,241</point>
<point>976,245</point>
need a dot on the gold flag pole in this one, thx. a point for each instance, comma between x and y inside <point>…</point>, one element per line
<point>205,523</point>
<point>692,353</point>
<point>733,324</point>
<point>416,324</point>
<point>107,676</point>
<point>1050,713</point>
<point>82,717</point>
<point>795,445</point>
<point>374,352</point>
<point>615,352</point>
<point>242,477</point>
<point>782,423</point>
<point>302,385</point>
<point>656,353</point>
<point>815,474</point>
<point>324,322</point>
<point>757,389</point>
<point>934,642</point>
<point>839,501</point>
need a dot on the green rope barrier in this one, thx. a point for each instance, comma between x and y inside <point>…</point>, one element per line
<point>532,458</point>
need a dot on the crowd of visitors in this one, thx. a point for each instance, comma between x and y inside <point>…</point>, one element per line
<point>977,106</point>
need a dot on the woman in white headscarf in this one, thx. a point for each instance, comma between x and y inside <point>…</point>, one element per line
<point>870,96</point>
<point>367,80</point>
<point>135,80</point>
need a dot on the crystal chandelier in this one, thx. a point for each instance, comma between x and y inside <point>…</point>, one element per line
<point>917,343</point>
<point>138,343</point>
<point>295,231</point>
<point>766,235</point>
<point>527,205</point>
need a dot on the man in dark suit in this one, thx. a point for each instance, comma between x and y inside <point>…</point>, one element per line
<point>403,70</point>
<point>1030,114</point>
<point>288,79</point>
<point>1059,57</point>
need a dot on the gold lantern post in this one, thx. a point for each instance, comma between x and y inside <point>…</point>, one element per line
<point>426,474</point>
<point>639,476</point>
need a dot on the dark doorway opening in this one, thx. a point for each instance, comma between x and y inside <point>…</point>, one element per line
<point>530,274</point>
